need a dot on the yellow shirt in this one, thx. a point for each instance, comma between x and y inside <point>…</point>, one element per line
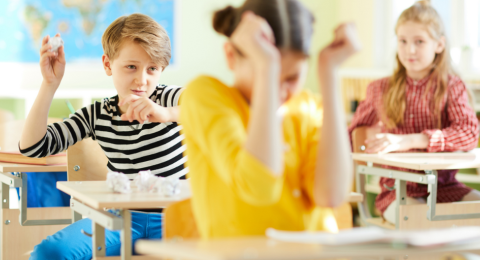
<point>233,193</point>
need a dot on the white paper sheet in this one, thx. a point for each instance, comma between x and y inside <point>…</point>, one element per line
<point>423,238</point>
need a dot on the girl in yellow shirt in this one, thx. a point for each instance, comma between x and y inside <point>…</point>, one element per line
<point>253,149</point>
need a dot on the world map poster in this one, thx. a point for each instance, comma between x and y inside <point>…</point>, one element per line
<point>81,23</point>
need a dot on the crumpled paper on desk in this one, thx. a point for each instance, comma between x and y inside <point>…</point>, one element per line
<point>118,182</point>
<point>146,181</point>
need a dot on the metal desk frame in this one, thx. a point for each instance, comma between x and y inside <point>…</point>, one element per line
<point>19,180</point>
<point>102,220</point>
<point>401,178</point>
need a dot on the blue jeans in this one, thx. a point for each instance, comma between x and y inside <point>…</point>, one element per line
<point>70,244</point>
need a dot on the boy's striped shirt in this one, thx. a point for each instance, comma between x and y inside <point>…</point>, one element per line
<point>129,147</point>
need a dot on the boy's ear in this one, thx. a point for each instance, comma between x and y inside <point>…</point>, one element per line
<point>107,65</point>
<point>441,45</point>
<point>229,55</point>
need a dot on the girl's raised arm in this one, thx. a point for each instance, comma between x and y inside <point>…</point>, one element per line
<point>333,172</point>
<point>255,39</point>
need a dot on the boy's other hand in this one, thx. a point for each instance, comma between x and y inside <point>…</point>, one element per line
<point>344,45</point>
<point>143,109</point>
<point>52,64</point>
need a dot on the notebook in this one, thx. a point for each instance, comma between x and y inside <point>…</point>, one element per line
<point>17,157</point>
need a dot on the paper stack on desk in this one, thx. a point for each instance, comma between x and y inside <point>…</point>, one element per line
<point>423,238</point>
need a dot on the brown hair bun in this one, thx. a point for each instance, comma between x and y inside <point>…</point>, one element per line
<point>223,20</point>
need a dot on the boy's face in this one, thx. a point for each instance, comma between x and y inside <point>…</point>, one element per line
<point>133,71</point>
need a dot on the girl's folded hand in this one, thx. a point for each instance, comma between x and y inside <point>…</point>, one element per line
<point>386,143</point>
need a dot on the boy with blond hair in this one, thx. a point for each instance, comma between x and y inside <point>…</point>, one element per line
<point>137,128</point>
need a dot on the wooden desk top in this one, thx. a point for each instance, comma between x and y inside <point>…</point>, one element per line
<point>262,248</point>
<point>96,194</point>
<point>424,161</point>
<point>16,167</point>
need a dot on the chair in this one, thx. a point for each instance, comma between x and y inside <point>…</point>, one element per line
<point>86,161</point>
<point>17,241</point>
<point>416,217</point>
<point>179,221</point>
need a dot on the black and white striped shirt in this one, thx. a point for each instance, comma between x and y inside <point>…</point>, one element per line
<point>129,147</point>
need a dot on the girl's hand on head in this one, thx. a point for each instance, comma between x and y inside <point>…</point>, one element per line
<point>144,109</point>
<point>344,45</point>
<point>52,64</point>
<point>254,38</point>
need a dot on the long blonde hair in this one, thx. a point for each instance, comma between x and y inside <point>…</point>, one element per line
<point>394,99</point>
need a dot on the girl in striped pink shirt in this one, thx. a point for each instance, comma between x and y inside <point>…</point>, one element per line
<point>423,106</point>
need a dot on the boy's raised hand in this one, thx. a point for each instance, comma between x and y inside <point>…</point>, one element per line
<point>344,45</point>
<point>52,64</point>
<point>143,109</point>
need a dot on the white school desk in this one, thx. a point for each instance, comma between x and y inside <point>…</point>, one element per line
<point>263,248</point>
<point>430,163</point>
<point>90,198</point>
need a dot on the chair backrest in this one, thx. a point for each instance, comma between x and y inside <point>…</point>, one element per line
<point>179,222</point>
<point>359,135</point>
<point>86,161</point>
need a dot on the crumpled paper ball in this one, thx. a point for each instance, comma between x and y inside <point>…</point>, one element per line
<point>118,182</point>
<point>56,42</point>
<point>145,180</point>
<point>168,187</point>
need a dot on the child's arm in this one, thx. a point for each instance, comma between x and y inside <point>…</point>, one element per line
<point>254,38</point>
<point>462,132</point>
<point>385,143</point>
<point>333,172</point>
<point>52,65</point>
<point>143,108</point>
<point>162,109</point>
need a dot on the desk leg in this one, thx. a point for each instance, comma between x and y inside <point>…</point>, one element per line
<point>432,198</point>
<point>23,198</point>
<point>5,196</point>
<point>126,235</point>
<point>401,194</point>
<point>98,240</point>
<point>75,215</point>
<point>361,180</point>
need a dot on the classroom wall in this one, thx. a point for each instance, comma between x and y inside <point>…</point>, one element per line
<point>200,52</point>
<point>196,30</point>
